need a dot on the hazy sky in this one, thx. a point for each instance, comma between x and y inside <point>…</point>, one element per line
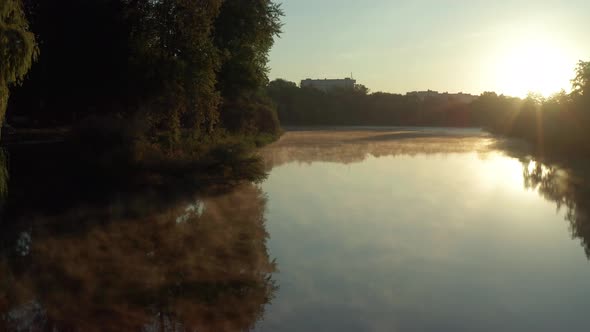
<point>464,45</point>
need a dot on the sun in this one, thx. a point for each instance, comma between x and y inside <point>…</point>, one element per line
<point>534,65</point>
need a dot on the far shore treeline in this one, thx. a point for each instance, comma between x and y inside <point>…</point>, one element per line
<point>560,123</point>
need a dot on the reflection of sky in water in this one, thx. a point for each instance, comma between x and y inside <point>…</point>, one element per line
<point>192,210</point>
<point>23,244</point>
<point>429,242</point>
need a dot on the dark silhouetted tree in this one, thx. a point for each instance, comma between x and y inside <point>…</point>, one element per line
<point>581,83</point>
<point>172,64</point>
<point>176,61</point>
<point>17,48</point>
<point>244,34</point>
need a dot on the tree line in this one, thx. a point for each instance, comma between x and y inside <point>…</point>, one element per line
<point>173,68</point>
<point>356,106</point>
<point>559,122</point>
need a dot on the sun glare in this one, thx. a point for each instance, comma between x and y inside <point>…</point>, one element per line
<point>534,65</point>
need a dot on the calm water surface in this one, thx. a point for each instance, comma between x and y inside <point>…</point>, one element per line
<point>406,229</point>
<point>376,233</point>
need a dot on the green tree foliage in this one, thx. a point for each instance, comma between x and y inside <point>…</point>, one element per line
<point>176,61</point>
<point>581,83</point>
<point>170,64</point>
<point>580,97</point>
<point>244,34</point>
<point>17,48</point>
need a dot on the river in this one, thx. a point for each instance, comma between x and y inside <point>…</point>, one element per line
<point>355,229</point>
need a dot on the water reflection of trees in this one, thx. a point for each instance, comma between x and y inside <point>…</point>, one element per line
<point>3,176</point>
<point>201,265</point>
<point>568,188</point>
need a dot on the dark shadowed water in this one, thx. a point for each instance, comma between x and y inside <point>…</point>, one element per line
<point>405,229</point>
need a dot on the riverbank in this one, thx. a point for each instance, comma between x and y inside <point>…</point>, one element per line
<point>58,168</point>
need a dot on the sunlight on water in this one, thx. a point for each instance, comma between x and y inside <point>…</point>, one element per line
<point>416,235</point>
<point>498,170</point>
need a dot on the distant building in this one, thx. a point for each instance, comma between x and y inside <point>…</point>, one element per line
<point>423,94</point>
<point>460,97</point>
<point>463,97</point>
<point>329,84</point>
